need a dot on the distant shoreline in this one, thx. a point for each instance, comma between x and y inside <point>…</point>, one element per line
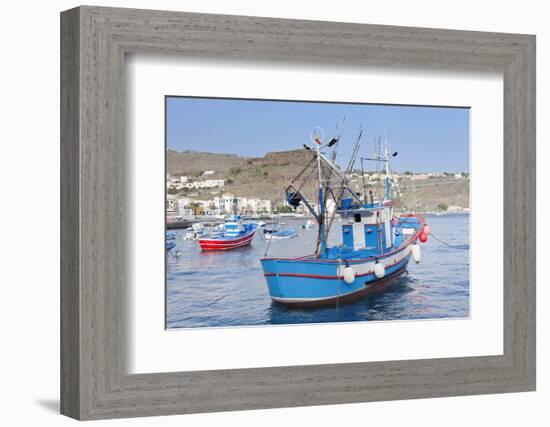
<point>213,219</point>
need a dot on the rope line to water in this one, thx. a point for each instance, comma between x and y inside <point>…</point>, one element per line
<point>338,288</point>
<point>216,301</point>
<point>463,247</point>
<point>268,243</point>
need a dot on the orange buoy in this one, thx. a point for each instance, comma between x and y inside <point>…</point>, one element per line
<point>427,229</point>
<point>423,237</point>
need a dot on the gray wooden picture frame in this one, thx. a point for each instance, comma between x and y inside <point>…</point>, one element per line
<point>94,381</point>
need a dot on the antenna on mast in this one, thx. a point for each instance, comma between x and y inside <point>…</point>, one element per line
<point>342,189</point>
<point>336,140</point>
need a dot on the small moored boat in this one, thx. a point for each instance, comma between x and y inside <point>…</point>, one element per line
<point>195,232</point>
<point>280,232</point>
<point>308,225</point>
<point>236,234</point>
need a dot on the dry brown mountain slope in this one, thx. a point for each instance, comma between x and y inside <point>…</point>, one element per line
<point>264,177</point>
<point>194,163</point>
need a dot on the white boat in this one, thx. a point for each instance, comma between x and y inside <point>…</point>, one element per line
<point>195,232</point>
<point>308,225</point>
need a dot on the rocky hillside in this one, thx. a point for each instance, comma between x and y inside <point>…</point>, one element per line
<point>263,177</point>
<point>433,194</point>
<point>194,163</point>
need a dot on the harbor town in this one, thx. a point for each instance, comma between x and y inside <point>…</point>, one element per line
<point>192,199</point>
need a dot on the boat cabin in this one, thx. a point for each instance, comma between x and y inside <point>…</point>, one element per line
<point>367,227</point>
<point>234,226</point>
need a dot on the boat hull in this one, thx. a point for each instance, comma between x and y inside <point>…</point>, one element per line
<point>377,286</point>
<point>310,282</point>
<point>225,244</point>
<point>273,236</point>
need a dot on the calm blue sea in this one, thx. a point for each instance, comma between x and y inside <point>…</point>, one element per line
<point>228,289</point>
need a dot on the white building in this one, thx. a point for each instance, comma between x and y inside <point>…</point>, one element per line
<point>171,204</point>
<point>184,206</point>
<point>180,182</point>
<point>174,185</point>
<point>253,206</point>
<point>178,206</point>
<point>209,183</point>
<point>454,208</point>
<point>419,176</point>
<point>229,204</point>
<point>205,207</point>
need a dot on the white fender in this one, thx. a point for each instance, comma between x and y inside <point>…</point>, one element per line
<point>349,275</point>
<point>379,270</point>
<point>416,253</point>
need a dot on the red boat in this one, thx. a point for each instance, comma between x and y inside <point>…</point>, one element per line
<point>235,235</point>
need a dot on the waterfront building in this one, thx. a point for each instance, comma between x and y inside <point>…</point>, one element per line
<point>229,204</point>
<point>171,204</point>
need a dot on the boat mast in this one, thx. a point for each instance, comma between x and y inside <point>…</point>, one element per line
<point>342,189</point>
<point>321,233</point>
<point>387,165</point>
<point>385,159</point>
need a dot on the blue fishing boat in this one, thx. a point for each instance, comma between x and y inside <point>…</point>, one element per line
<point>236,234</point>
<point>170,235</point>
<point>170,245</point>
<point>376,245</point>
<point>280,232</point>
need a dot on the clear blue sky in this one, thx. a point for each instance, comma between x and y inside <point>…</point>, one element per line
<point>428,139</point>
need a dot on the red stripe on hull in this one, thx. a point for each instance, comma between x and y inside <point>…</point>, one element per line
<point>224,245</point>
<point>316,276</point>
<point>378,286</point>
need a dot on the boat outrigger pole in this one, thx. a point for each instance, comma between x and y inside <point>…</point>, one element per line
<point>332,182</point>
<point>386,160</point>
<point>321,233</point>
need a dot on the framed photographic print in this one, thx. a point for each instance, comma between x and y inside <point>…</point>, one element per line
<point>262,213</point>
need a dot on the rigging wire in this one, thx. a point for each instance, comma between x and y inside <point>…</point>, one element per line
<point>342,189</point>
<point>305,180</point>
<point>303,170</point>
<point>463,247</point>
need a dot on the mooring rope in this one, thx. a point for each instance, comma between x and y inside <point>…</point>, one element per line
<point>338,287</point>
<point>217,300</point>
<point>268,243</point>
<point>463,247</point>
